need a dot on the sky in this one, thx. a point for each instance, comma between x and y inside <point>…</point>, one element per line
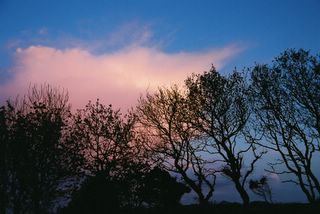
<point>117,50</point>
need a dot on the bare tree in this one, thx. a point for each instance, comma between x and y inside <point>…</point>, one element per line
<point>261,188</point>
<point>286,99</point>
<point>173,142</point>
<point>220,111</point>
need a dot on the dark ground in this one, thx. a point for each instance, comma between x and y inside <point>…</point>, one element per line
<point>229,208</point>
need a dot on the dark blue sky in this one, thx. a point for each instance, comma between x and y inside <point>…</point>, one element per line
<point>72,42</point>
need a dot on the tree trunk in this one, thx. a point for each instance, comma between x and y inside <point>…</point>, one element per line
<point>243,193</point>
<point>203,202</point>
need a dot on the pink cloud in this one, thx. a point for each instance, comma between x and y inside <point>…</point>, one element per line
<point>117,78</point>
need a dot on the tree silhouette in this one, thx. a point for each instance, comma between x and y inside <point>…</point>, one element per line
<point>173,143</point>
<point>35,157</point>
<point>107,162</point>
<point>220,112</point>
<point>162,190</point>
<point>96,195</point>
<point>102,137</point>
<point>286,98</point>
<point>261,188</point>
<point>4,165</point>
<point>108,143</point>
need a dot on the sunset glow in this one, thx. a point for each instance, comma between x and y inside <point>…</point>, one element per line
<point>118,78</point>
<point>125,65</point>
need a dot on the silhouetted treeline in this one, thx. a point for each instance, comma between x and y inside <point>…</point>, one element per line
<point>176,140</point>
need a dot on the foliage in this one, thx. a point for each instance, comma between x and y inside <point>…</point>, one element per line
<point>34,155</point>
<point>161,190</point>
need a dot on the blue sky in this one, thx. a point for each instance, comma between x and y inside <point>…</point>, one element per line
<point>119,48</point>
<point>265,28</point>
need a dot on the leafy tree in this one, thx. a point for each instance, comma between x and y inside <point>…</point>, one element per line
<point>4,171</point>
<point>108,143</point>
<point>286,98</point>
<point>173,143</point>
<point>96,195</point>
<point>161,190</point>
<point>102,137</point>
<point>35,158</point>
<point>220,112</point>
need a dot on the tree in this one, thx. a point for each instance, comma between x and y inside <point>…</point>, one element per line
<point>159,189</point>
<point>261,188</point>
<point>103,137</point>
<point>108,143</point>
<point>286,98</point>
<point>35,158</point>
<point>96,195</point>
<point>173,143</point>
<point>220,112</point>
<point>4,171</point>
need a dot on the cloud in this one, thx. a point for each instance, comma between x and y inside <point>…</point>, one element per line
<point>117,78</point>
<point>132,32</point>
